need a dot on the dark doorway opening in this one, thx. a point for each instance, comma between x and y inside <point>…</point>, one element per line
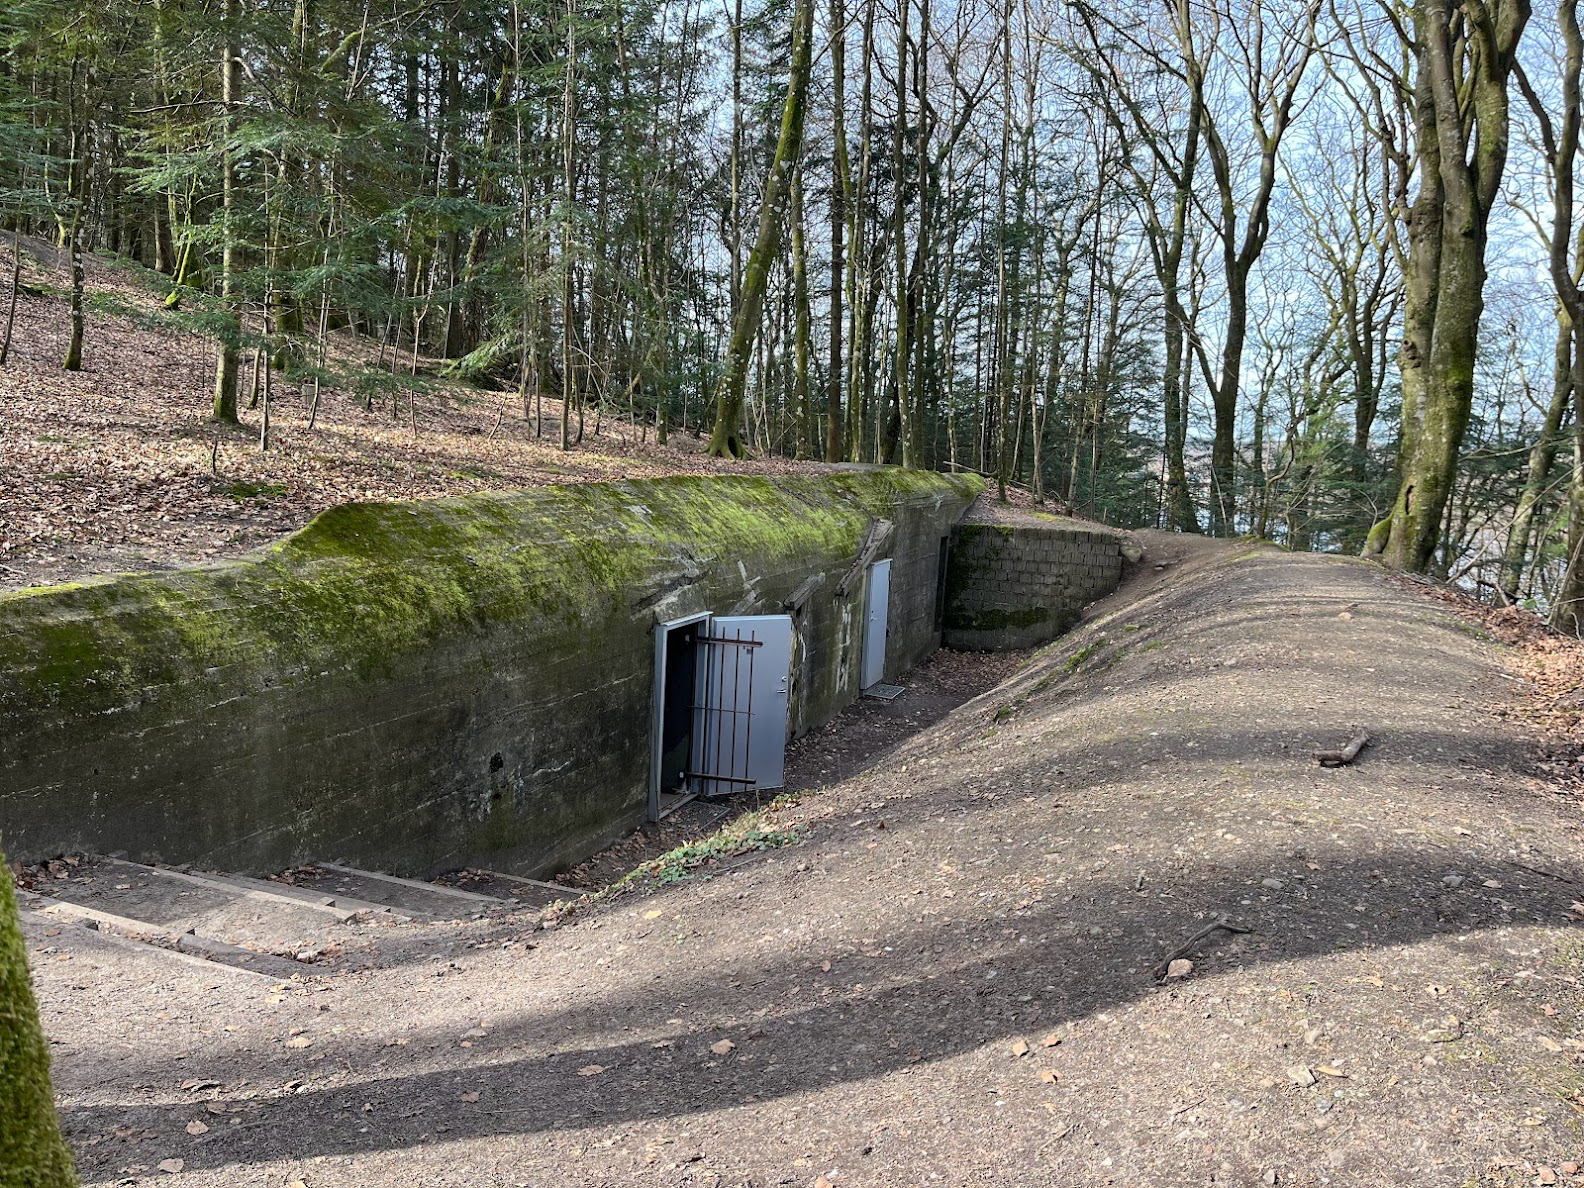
<point>942,567</point>
<point>678,671</point>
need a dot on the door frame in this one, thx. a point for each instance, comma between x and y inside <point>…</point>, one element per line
<point>869,633</point>
<point>663,632</point>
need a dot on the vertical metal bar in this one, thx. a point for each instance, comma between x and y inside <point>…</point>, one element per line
<point>720,709</point>
<point>696,743</point>
<point>704,716</point>
<point>736,692</point>
<point>748,721</point>
<point>705,723</point>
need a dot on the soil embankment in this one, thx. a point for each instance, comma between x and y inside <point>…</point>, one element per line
<point>948,977</point>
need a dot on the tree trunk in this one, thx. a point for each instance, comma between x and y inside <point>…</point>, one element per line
<point>32,1151</point>
<point>726,437</point>
<point>16,285</point>
<point>1463,152</point>
<point>841,186</point>
<point>1542,454</point>
<point>225,385</point>
<point>801,332</point>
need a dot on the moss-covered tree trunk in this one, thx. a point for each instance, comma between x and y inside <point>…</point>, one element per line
<point>726,438</point>
<point>1463,62</point>
<point>32,1152</point>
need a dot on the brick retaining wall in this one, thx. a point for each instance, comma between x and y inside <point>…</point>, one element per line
<point>1019,585</point>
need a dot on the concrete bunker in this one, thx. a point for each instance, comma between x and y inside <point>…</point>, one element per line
<point>465,682</point>
<point>508,681</point>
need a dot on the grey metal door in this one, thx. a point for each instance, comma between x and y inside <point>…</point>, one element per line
<point>877,603</point>
<point>740,715</point>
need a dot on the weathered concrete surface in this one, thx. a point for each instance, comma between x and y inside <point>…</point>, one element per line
<point>418,686</point>
<point>1021,585</point>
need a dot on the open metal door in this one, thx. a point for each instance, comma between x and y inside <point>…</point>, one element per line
<point>877,606</point>
<point>740,710</point>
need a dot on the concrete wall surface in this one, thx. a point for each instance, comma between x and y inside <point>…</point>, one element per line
<point>414,687</point>
<point>1020,585</point>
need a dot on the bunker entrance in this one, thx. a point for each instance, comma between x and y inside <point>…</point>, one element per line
<point>722,687</point>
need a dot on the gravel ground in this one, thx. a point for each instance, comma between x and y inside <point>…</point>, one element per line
<point>948,978</point>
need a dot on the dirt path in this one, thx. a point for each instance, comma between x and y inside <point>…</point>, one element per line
<point>947,979</point>
<point>860,736</point>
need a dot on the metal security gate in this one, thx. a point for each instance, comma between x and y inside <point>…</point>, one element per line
<point>734,727</point>
<point>740,714</point>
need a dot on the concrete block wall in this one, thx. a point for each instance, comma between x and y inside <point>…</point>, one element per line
<point>415,687</point>
<point>1021,585</point>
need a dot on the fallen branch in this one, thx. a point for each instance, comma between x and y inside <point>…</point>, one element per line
<point>1347,754</point>
<point>1188,946</point>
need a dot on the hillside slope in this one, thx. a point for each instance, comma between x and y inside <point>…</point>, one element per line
<point>947,979</point>
<point>119,466</point>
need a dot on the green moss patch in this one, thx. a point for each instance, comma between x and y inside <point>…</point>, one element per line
<point>365,584</point>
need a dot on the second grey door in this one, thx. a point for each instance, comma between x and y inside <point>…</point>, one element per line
<point>877,603</point>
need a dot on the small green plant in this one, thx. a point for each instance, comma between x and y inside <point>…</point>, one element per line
<point>1076,660</point>
<point>243,490</point>
<point>748,834</point>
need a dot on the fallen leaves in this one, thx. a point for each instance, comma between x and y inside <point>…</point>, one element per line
<point>109,468</point>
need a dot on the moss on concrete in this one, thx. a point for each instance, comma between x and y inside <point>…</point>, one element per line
<point>366,583</point>
<point>345,690</point>
<point>32,1153</point>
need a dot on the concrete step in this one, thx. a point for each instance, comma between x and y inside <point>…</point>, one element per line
<point>171,904</point>
<point>344,905</point>
<point>529,893</point>
<point>413,897</point>
<point>157,936</point>
<point>255,889</point>
<point>134,958</point>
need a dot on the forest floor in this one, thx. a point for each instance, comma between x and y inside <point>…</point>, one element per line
<point>947,974</point>
<point>119,466</point>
